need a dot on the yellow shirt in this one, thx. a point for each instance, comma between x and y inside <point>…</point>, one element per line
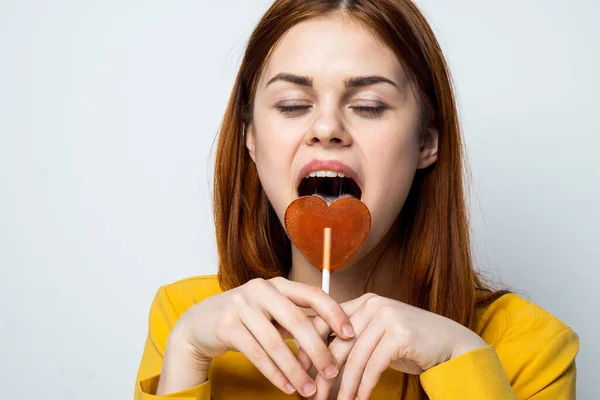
<point>531,355</point>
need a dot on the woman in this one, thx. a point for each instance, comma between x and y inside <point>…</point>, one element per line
<point>355,89</point>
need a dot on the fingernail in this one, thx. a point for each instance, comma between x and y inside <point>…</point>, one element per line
<point>331,371</point>
<point>309,388</point>
<point>348,331</point>
<point>290,389</point>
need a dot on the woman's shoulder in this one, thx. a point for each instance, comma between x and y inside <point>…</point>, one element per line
<point>525,334</point>
<point>174,299</point>
<point>187,292</point>
<point>512,315</point>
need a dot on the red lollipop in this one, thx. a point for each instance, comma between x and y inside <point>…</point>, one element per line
<point>307,217</point>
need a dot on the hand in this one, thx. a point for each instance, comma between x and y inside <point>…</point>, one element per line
<point>254,319</point>
<point>389,334</point>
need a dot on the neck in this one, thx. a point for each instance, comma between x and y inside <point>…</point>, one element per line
<point>350,281</point>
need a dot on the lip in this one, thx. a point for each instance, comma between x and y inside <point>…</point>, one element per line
<point>328,165</point>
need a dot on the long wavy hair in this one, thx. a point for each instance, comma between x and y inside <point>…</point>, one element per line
<point>435,271</point>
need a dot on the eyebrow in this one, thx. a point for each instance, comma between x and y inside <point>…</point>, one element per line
<point>354,82</point>
<point>291,78</point>
<point>362,81</point>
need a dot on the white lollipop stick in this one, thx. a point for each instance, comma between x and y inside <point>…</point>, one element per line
<point>326,260</point>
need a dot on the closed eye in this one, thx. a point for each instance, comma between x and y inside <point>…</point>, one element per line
<point>299,109</point>
<point>370,111</point>
<point>292,109</point>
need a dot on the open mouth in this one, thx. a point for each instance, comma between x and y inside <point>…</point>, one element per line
<point>329,186</point>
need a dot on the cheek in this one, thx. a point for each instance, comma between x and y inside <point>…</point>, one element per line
<point>275,146</point>
<point>276,137</point>
<point>391,161</point>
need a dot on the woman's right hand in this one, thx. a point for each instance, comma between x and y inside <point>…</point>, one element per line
<point>255,319</point>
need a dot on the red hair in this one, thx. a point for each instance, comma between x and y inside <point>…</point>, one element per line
<point>435,271</point>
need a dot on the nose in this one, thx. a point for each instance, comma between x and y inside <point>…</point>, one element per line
<point>328,130</point>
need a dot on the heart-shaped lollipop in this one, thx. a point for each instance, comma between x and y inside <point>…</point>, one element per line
<point>308,216</point>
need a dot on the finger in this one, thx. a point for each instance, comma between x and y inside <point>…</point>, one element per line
<point>301,354</point>
<point>341,349</point>
<point>349,307</point>
<point>243,341</point>
<point>322,328</point>
<point>377,364</point>
<point>324,331</point>
<point>277,349</point>
<point>304,359</point>
<point>319,323</point>
<point>315,298</point>
<point>295,321</point>
<point>360,355</point>
<point>324,387</point>
<point>352,306</point>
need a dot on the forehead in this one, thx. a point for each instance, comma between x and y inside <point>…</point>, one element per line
<point>332,47</point>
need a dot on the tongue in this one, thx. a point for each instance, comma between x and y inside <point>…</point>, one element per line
<point>330,199</point>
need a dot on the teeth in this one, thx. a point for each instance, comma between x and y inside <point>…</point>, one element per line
<point>325,174</point>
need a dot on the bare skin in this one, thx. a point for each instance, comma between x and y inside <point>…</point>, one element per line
<point>330,91</point>
<point>254,319</point>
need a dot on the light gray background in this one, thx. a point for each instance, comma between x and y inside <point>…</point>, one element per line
<point>108,110</point>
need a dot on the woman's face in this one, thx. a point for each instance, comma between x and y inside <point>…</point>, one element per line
<point>334,100</point>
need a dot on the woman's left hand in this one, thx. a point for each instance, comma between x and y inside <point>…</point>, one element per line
<point>391,334</point>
